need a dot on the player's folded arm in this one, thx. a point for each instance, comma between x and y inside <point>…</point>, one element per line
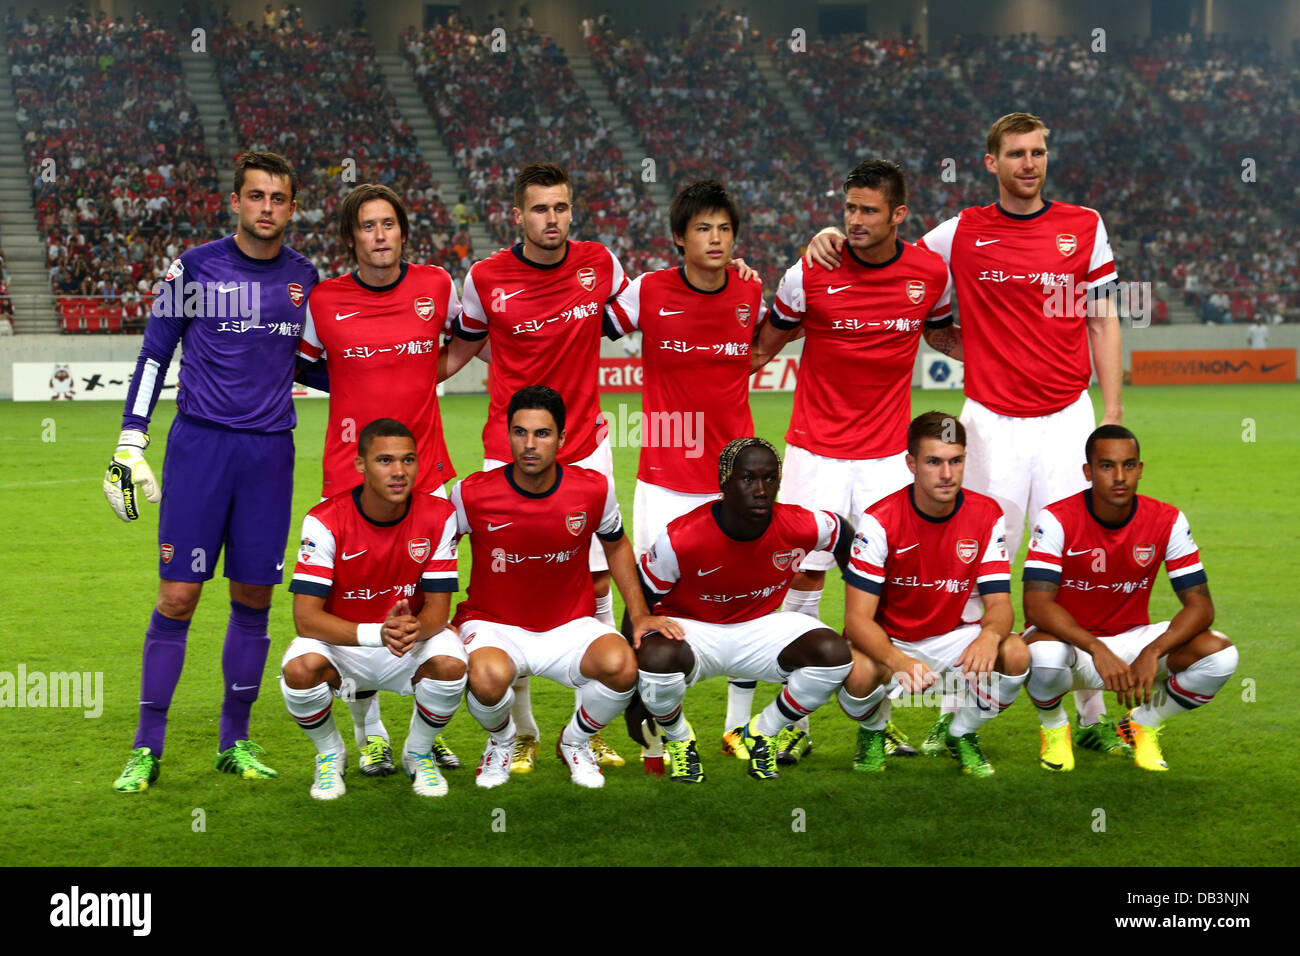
<point>312,620</point>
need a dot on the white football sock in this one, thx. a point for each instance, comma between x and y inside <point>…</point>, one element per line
<point>495,719</point>
<point>436,702</point>
<point>523,709</point>
<point>1091,705</point>
<point>312,708</point>
<point>1050,677</point>
<point>996,693</point>
<point>866,711</point>
<point>1190,689</point>
<point>365,719</point>
<point>663,695</point>
<point>806,689</point>
<point>597,706</point>
<point>740,702</point>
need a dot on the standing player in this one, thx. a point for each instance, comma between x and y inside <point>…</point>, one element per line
<point>720,571</point>
<point>235,304</point>
<point>929,593</point>
<point>1027,407</point>
<point>377,329</point>
<point>863,322</point>
<point>530,600</point>
<point>540,305</point>
<point>1092,562</point>
<point>369,557</point>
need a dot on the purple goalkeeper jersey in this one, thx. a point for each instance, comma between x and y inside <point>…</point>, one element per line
<point>239,320</point>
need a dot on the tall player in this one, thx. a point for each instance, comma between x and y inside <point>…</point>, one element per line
<point>1027,407</point>
<point>540,305</point>
<point>929,593</point>
<point>863,322</point>
<point>530,600</point>
<point>720,571</point>
<point>1093,559</point>
<point>235,304</point>
<point>372,589</point>
<point>378,330</point>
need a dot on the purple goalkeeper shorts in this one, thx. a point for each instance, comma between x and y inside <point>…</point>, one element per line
<point>224,488</point>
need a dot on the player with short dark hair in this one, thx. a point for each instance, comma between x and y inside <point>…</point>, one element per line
<point>372,591</point>
<point>235,305</point>
<point>1093,560</point>
<point>1027,368</point>
<point>529,607</point>
<point>929,593</point>
<point>720,571</point>
<point>863,322</point>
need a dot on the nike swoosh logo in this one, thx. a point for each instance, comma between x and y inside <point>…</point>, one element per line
<point>513,294</point>
<point>832,289</point>
<point>705,574</point>
<point>249,687</point>
<point>986,242</point>
<point>498,527</point>
<point>1051,766</point>
<point>223,289</point>
<point>1269,368</point>
<point>667,312</point>
<point>898,551</point>
<point>339,317</point>
<point>280,566</point>
<point>357,554</point>
<point>1071,554</point>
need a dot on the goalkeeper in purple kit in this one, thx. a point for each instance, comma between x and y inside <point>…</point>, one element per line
<point>236,306</point>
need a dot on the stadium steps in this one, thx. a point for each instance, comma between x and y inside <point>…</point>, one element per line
<point>201,82</point>
<point>634,151</point>
<point>29,283</point>
<point>400,82</point>
<point>775,80</point>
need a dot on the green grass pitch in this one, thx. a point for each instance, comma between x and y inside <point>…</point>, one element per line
<point>77,586</point>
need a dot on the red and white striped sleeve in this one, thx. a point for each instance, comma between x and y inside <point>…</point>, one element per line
<point>791,302</point>
<point>658,566</point>
<point>1046,545</point>
<point>1101,266</point>
<point>309,346</point>
<point>866,570</point>
<point>625,310</point>
<point>473,322</point>
<point>314,572</point>
<point>939,239</point>
<point>993,575</point>
<point>1182,557</point>
<point>439,572</point>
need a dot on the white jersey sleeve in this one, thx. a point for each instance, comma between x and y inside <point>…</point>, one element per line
<point>462,519</point>
<point>1101,266</point>
<point>309,345</point>
<point>791,303</point>
<point>1046,547</point>
<point>658,566</point>
<point>619,280</point>
<point>939,239</point>
<point>1183,557</point>
<point>625,310</point>
<point>828,530</point>
<point>473,319</point>
<point>942,311</point>
<point>866,569</point>
<point>453,309</point>
<point>315,553</point>
<point>611,520</point>
<point>440,572</point>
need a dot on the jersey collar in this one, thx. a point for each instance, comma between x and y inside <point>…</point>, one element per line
<point>726,279</point>
<point>381,288</point>
<point>1047,204</point>
<point>911,497</point>
<point>356,500</point>
<point>898,251</point>
<point>1087,503</point>
<point>559,476</point>
<point>518,250</point>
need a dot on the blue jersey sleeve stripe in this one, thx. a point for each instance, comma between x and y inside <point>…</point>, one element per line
<point>309,587</point>
<point>1041,574</point>
<point>995,587</point>
<point>439,585</point>
<point>1185,581</point>
<point>862,583</point>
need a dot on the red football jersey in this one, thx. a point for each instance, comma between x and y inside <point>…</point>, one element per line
<point>363,567</point>
<point>862,327</point>
<point>1011,272</point>
<point>929,572</point>
<point>700,572</point>
<point>695,353</point>
<point>544,325</point>
<point>530,551</point>
<point>382,348</point>
<point>1105,573</point>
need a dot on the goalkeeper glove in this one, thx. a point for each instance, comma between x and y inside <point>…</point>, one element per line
<point>129,475</point>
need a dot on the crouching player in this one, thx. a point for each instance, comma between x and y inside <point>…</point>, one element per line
<point>530,609</point>
<point>722,571</point>
<point>1092,562</point>
<point>929,592</point>
<point>372,589</point>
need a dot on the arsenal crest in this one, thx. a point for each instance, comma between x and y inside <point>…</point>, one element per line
<point>418,549</point>
<point>424,308</point>
<point>915,290</point>
<point>1066,244</point>
<point>967,549</point>
<point>742,316</point>
<point>782,559</point>
<point>295,293</point>
<point>167,552</point>
<point>1143,553</point>
<point>587,278</point>
<point>174,270</point>
<point>575,521</point>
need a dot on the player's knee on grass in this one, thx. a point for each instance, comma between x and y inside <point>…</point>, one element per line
<point>309,670</point>
<point>441,667</point>
<point>819,648</point>
<point>865,677</point>
<point>1013,655</point>
<point>178,599</point>
<point>609,660</point>
<point>256,596</point>
<point>491,672</point>
<point>1198,648</point>
<point>662,655</point>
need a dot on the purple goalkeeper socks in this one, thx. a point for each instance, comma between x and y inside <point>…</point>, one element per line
<point>243,659</point>
<point>164,656</point>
